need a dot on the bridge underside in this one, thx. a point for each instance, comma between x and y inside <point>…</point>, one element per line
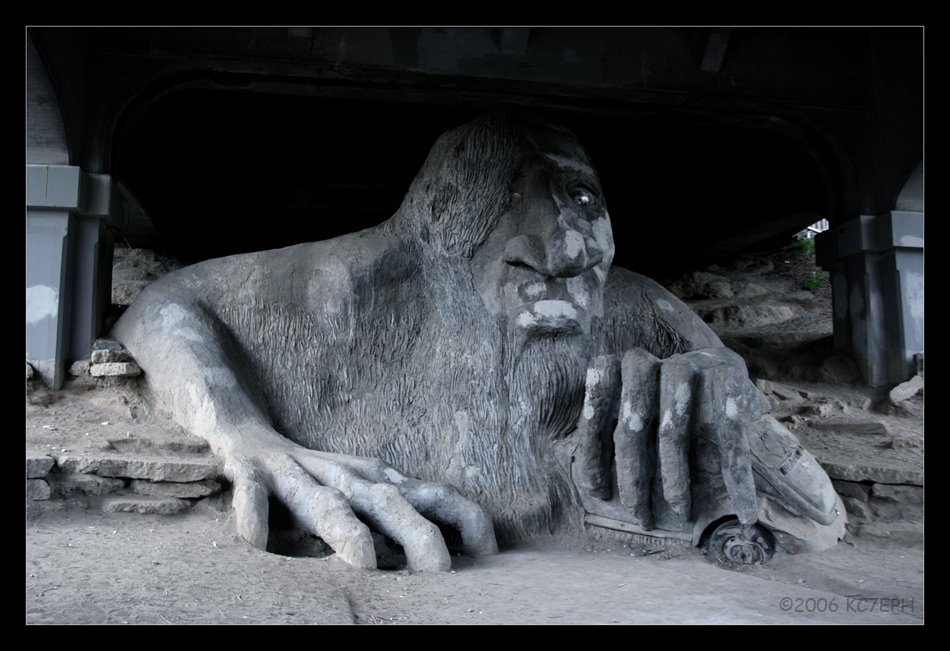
<point>205,142</point>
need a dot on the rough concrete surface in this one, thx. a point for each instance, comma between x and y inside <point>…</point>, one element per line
<point>190,569</point>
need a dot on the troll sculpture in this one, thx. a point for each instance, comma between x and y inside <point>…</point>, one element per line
<point>473,361</point>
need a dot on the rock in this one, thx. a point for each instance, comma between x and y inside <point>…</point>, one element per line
<point>906,390</point>
<point>185,445</point>
<point>791,421</point>
<point>108,344</point>
<point>748,315</point>
<point>765,386</point>
<point>80,368</point>
<point>856,508</point>
<point>145,505</point>
<point>838,369</point>
<point>38,465</point>
<point>37,489</point>
<point>899,493</point>
<point>85,484</point>
<point>115,369</point>
<point>134,269</point>
<point>154,468</point>
<point>109,356</point>
<point>851,489</point>
<point>903,443</point>
<point>893,531</point>
<point>29,372</point>
<point>718,289</point>
<point>817,409</point>
<point>753,265</point>
<point>786,392</point>
<point>895,511</point>
<point>175,489</point>
<point>858,472</point>
<point>873,427</point>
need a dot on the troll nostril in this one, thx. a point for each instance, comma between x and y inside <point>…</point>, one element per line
<point>519,264</point>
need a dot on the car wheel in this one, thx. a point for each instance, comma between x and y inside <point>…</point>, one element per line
<point>734,542</point>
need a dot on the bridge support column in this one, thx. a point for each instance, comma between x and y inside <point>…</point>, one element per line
<point>68,265</point>
<point>877,275</point>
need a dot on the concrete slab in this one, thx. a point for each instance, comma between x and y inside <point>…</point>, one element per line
<point>37,489</point>
<point>139,467</point>
<point>38,464</point>
<point>70,484</point>
<point>193,489</point>
<point>145,505</point>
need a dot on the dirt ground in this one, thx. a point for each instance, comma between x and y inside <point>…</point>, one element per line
<point>85,566</point>
<point>94,568</point>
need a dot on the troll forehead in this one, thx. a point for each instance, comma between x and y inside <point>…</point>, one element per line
<point>573,164</point>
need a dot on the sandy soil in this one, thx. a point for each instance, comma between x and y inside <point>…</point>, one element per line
<point>93,568</point>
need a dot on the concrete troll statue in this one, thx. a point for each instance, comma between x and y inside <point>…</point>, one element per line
<point>474,362</point>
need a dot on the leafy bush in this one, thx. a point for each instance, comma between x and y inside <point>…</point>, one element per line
<point>806,245</point>
<point>814,282</point>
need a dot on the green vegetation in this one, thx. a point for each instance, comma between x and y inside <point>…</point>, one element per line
<point>807,245</point>
<point>814,282</point>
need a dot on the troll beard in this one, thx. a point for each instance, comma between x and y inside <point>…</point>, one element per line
<point>526,489</point>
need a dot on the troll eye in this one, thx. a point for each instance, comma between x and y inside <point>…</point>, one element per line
<point>582,196</point>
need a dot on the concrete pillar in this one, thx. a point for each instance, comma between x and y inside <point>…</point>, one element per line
<point>69,263</point>
<point>876,264</point>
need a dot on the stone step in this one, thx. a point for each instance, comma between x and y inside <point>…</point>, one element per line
<point>38,464</point>
<point>857,471</point>
<point>37,489</point>
<point>73,484</point>
<point>184,445</point>
<point>155,468</point>
<point>145,505</point>
<point>190,490</point>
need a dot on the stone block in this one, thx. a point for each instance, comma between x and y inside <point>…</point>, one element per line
<point>895,511</point>
<point>193,489</point>
<point>858,472</point>
<point>786,392</point>
<point>85,484</point>
<point>906,390</point>
<point>37,489</point>
<point>154,468</point>
<point>109,356</point>
<point>866,427</point>
<point>899,493</point>
<point>115,369</point>
<point>819,410</point>
<point>80,368</point>
<point>108,344</point>
<point>852,489</point>
<point>857,509</point>
<point>38,465</point>
<point>145,505</point>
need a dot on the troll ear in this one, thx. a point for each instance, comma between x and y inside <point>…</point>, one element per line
<point>464,184</point>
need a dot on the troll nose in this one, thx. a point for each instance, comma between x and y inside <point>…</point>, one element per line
<point>563,253</point>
